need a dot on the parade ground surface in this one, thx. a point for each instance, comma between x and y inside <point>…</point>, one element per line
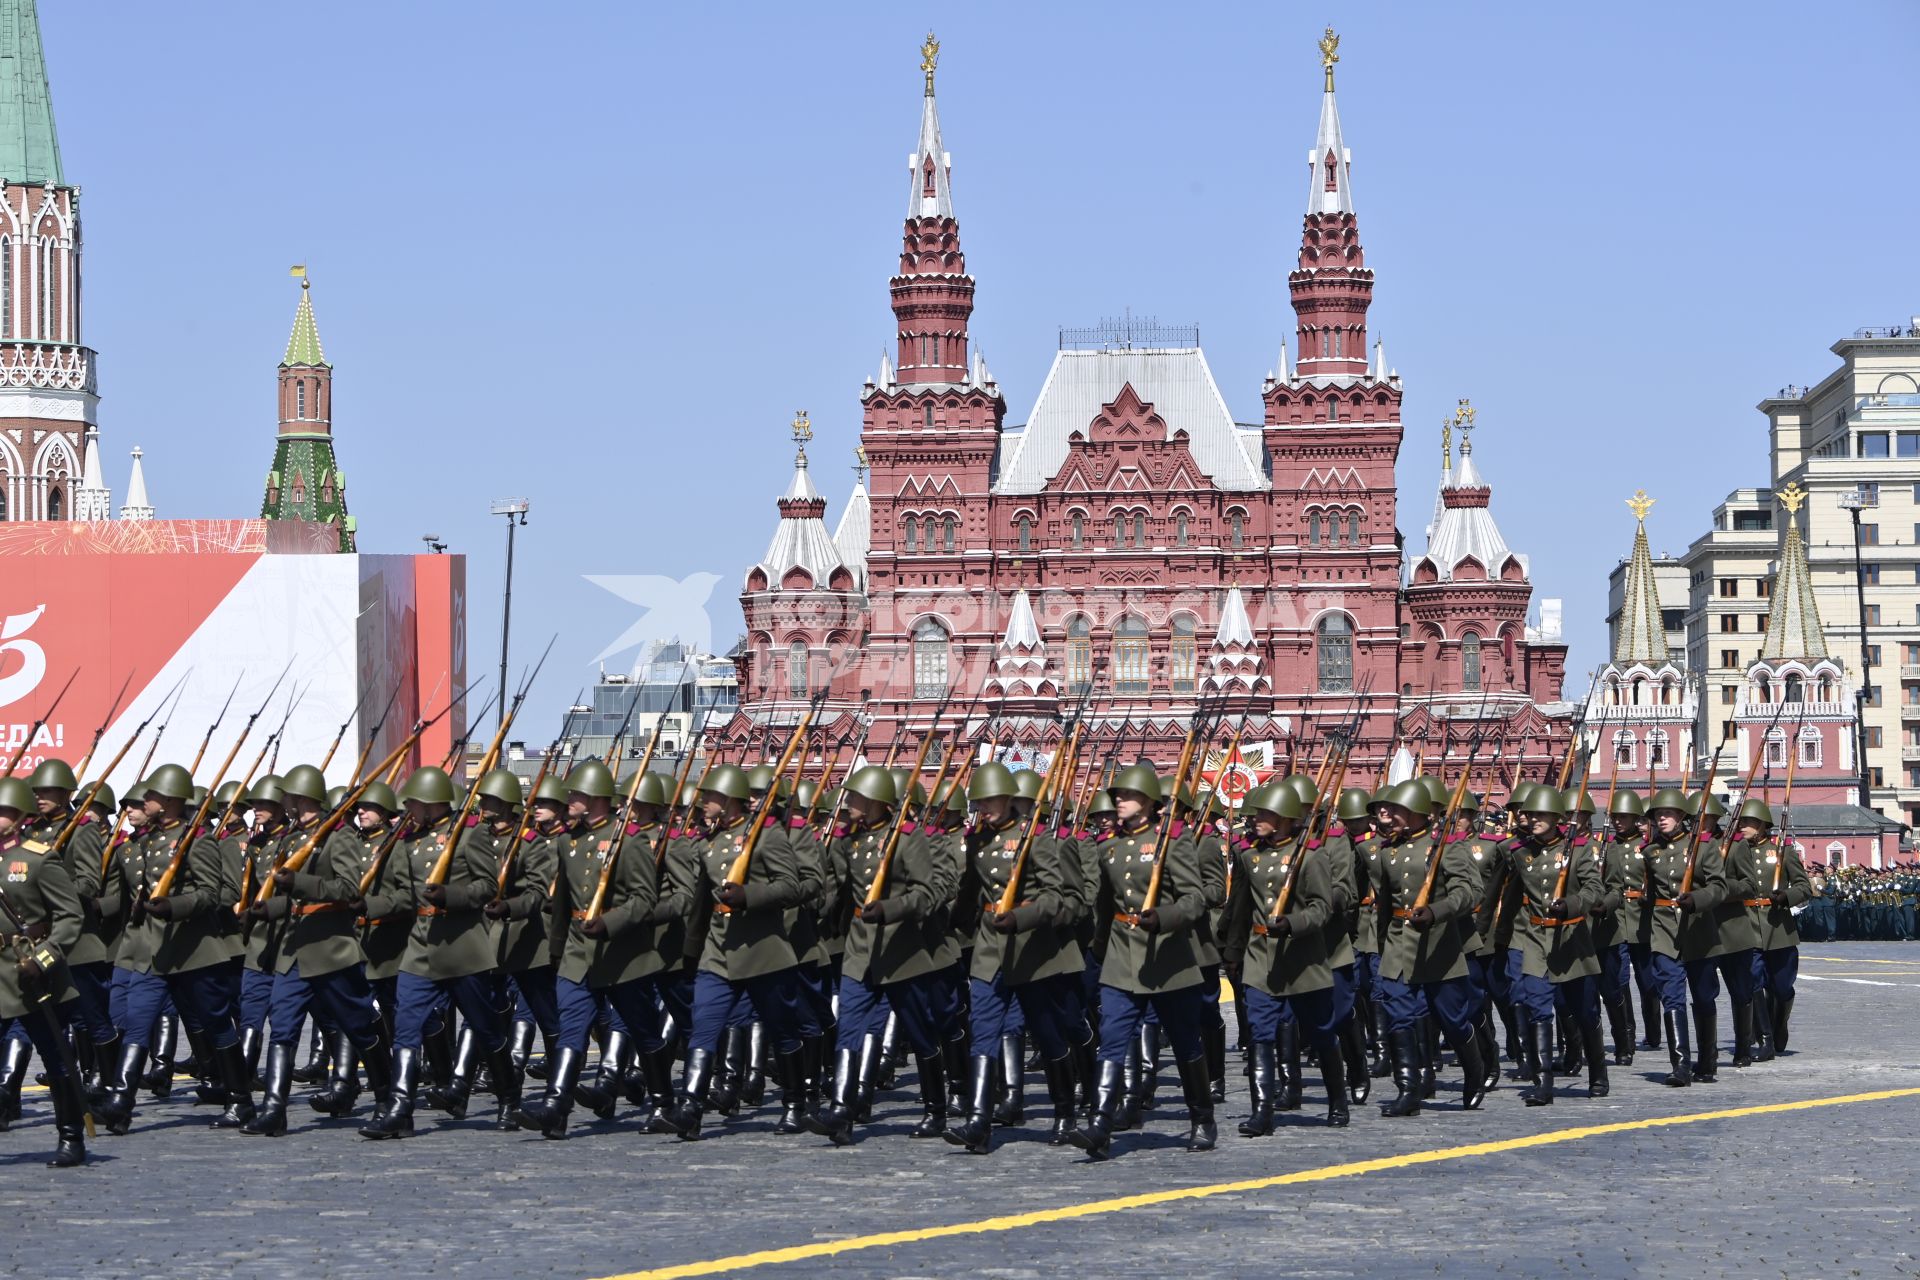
<point>1800,1167</point>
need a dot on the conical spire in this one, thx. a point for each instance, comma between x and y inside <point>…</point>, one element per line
<point>930,192</point>
<point>1446,479</point>
<point>1793,623</point>
<point>1643,637</point>
<point>1329,163</point>
<point>1020,663</point>
<point>1332,287</point>
<point>303,344</point>
<point>801,540</point>
<point>1235,660</point>
<point>137,507</point>
<point>93,500</point>
<point>29,147</point>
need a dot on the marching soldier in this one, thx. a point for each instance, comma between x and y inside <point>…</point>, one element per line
<point>1150,958</point>
<point>1423,944</point>
<point>42,919</point>
<point>1277,917</point>
<point>1782,886</point>
<point>1020,955</point>
<point>1350,887</point>
<point>1612,924</point>
<point>256,941</point>
<point>519,916</point>
<point>1739,937</point>
<point>1365,838</point>
<point>1677,928</point>
<point>89,961</point>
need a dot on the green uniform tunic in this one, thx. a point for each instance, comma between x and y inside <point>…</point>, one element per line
<point>323,934</point>
<point>1049,893</point>
<point>1557,950</point>
<point>455,940</point>
<point>1294,962</point>
<point>1411,955</point>
<point>195,939</point>
<point>1780,872</point>
<point>524,938</point>
<point>751,940</point>
<point>1132,959</point>
<point>922,877</point>
<point>41,893</point>
<point>1660,865</point>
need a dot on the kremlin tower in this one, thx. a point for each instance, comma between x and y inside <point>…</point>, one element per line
<point>305,483</point>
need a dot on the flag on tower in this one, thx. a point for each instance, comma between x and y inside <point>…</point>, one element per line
<point>298,271</point>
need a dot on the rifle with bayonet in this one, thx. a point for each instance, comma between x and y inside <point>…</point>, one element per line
<point>26,743</point>
<point>80,770</point>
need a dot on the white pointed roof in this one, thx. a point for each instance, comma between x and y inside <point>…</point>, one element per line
<point>853,536</point>
<point>1465,528</point>
<point>1175,381</point>
<point>137,506</point>
<point>940,203</point>
<point>801,541</point>
<point>1020,659</point>
<point>1022,631</point>
<point>92,501</point>
<point>1329,143</point>
<point>1235,627</point>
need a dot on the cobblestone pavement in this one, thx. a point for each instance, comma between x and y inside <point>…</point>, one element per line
<point>1815,1191</point>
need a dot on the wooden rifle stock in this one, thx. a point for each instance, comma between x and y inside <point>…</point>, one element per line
<point>1010,898</point>
<point>1165,838</point>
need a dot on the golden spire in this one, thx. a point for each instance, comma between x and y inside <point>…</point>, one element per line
<point>1329,54</point>
<point>802,432</point>
<point>1641,504</point>
<point>929,59</point>
<point>1793,497</point>
<point>1446,443</point>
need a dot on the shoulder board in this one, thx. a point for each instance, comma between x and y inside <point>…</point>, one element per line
<point>36,846</point>
<point>1313,844</point>
<point>473,820</point>
<point>1177,828</point>
<point>87,819</point>
<point>1336,830</point>
<point>1579,842</point>
<point>633,829</point>
<point>842,832</point>
<point>908,828</point>
<point>798,822</point>
<point>1241,842</point>
<point>531,836</point>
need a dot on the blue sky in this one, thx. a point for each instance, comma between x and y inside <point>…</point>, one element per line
<point>598,254</point>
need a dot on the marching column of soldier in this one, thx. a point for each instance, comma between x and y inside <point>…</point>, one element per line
<point>710,934</point>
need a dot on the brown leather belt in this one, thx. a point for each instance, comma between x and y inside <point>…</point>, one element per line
<point>581,915</point>
<point>1262,931</point>
<point>1403,913</point>
<point>315,908</point>
<point>1756,902</point>
<point>1127,918</point>
<point>1367,901</point>
<point>1634,895</point>
<point>430,910</point>
<point>1551,922</point>
<point>1666,902</point>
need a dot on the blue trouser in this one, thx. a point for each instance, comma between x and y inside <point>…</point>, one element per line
<point>1319,1014</point>
<point>90,1007</point>
<point>673,992</point>
<point>928,1007</point>
<point>344,995</point>
<point>52,1049</point>
<point>581,1006</point>
<point>1539,998</point>
<point>1454,1002</point>
<point>1736,970</point>
<point>1183,1016</point>
<point>417,1000</point>
<point>1774,971</point>
<point>534,989</point>
<point>1643,977</point>
<point>817,983</point>
<point>1047,1007</point>
<point>1366,967</point>
<point>256,999</point>
<point>775,999</point>
<point>203,996</point>
<point>1668,977</point>
<point>1613,971</point>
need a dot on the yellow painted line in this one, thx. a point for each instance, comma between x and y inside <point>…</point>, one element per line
<point>1807,959</point>
<point>1015,1221</point>
<point>1896,973</point>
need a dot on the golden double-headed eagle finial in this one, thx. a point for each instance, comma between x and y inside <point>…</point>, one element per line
<point>929,59</point>
<point>802,429</point>
<point>1793,497</point>
<point>1640,504</point>
<point>1329,54</point>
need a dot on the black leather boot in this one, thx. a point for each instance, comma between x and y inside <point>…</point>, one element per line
<point>891,1055</point>
<point>1473,1073</point>
<point>975,1132</point>
<point>1541,1092</point>
<point>1286,1067</point>
<point>1333,1073</point>
<point>115,1113</point>
<point>1680,1074</point>
<point>1096,1137</point>
<point>520,1045</point>
<point>797,1106</point>
<point>379,1061</point>
<point>731,1066</point>
<point>208,1092</point>
<point>933,1093</point>
<point>1216,1042</point>
<point>1573,1054</point>
<point>1381,1065</point>
<point>954,1055</point>
<point>14,1061</point>
<point>316,1069</point>
<point>69,1122</point>
<point>343,1079</point>
<point>657,1070</point>
<point>1653,1016</point>
<point>436,1058</point>
<point>790,1068</point>
<point>1149,1067</point>
<point>1762,1022</point>
<point>1598,1086</point>
<point>683,1118</point>
<point>1012,1107</point>
<point>753,1076</point>
<point>394,1117</point>
<point>1059,1077</point>
<point>1782,1015</point>
<point>602,1095</point>
<point>1488,1048</point>
<point>1086,1069</point>
<point>1403,1051</point>
<point>106,1056</point>
<point>250,1046</point>
<point>232,1069</point>
<point>1428,1044</point>
<point>1198,1092</point>
<point>505,1074</point>
<point>270,1118</point>
<point>833,1118</point>
<point>1742,1033</point>
<point>452,1097</point>
<point>548,1115</point>
<point>1261,1082</point>
<point>1620,1024</point>
<point>1128,1116</point>
<point>166,1039</point>
<point>1353,1051</point>
<point>1706,1030</point>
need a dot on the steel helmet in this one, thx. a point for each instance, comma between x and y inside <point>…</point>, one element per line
<point>1521,793</point>
<point>552,790</point>
<point>1102,802</point>
<point>502,785</point>
<point>266,791</point>
<point>378,795</point>
<point>1027,783</point>
<point>1140,779</point>
<point>1409,795</point>
<point>804,792</point>
<point>229,792</point>
<point>1756,810</point>
<point>591,778</point>
<point>53,775</point>
<point>873,783</point>
<point>1276,798</point>
<point>169,782</point>
<point>103,797</point>
<point>1546,800</point>
<point>728,780</point>
<point>760,777</point>
<point>1670,798</point>
<point>907,782</point>
<point>1301,785</point>
<point>1437,793</point>
<point>336,796</point>
<point>1627,802</point>
<point>655,788</point>
<point>429,785</point>
<point>1710,803</point>
<point>991,781</point>
<point>16,795</point>
<point>1353,804</point>
<point>304,782</point>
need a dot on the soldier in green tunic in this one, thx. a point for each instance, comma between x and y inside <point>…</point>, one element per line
<point>1680,890</point>
<point>1780,886</point>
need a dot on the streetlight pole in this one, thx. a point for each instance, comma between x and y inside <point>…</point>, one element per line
<point>515,510</point>
<point>1852,504</point>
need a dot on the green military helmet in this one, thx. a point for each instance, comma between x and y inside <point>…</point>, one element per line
<point>16,795</point>
<point>1027,783</point>
<point>229,793</point>
<point>378,795</point>
<point>199,795</point>
<point>1437,795</point>
<point>1102,802</point>
<point>1469,802</point>
<point>690,795</point>
<point>428,785</point>
<point>1353,804</point>
<point>803,793</point>
<point>1583,801</point>
<point>830,802</point>
<point>1756,810</point>
<point>1410,795</point>
<point>907,782</point>
<point>1714,809</point>
<point>553,790</point>
<point>955,796</point>
<point>304,782</point>
<point>1276,798</point>
<point>1669,798</point>
<point>655,788</point>
<point>991,781</point>
<point>760,777</point>
<point>1521,793</point>
<point>1545,799</point>
<point>1301,785</point>
<point>103,797</point>
<point>874,783</point>
<point>502,785</point>
<point>1627,802</point>
<point>592,778</point>
<point>266,790</point>
<point>53,775</point>
<point>1140,779</point>
<point>336,796</point>
<point>136,795</point>
<point>728,780</point>
<point>170,782</point>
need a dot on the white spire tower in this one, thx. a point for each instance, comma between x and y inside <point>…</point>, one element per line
<point>136,506</point>
<point>93,500</point>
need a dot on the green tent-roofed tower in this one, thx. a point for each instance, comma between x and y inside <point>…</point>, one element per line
<point>29,146</point>
<point>306,483</point>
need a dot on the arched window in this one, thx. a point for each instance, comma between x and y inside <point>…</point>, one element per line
<point>1335,635</point>
<point>47,290</point>
<point>930,650</point>
<point>1470,662</point>
<point>929,418</point>
<point>1656,748</point>
<point>1079,530</point>
<point>1623,745</point>
<point>1079,654</point>
<point>1776,748</point>
<point>1180,530</point>
<point>1763,689</point>
<point>1826,688</point>
<point>1794,686</point>
<point>1130,656</point>
<point>1809,747</point>
<point>1139,529</point>
<point>913,528</point>
<point>1313,529</point>
<point>1025,527</point>
<point>947,528</point>
<point>54,504</point>
<point>1353,528</point>
<point>300,397</point>
<point>1639,691</point>
<point>1184,658</point>
<point>797,670</point>
<point>1119,528</point>
<point>1236,529</point>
